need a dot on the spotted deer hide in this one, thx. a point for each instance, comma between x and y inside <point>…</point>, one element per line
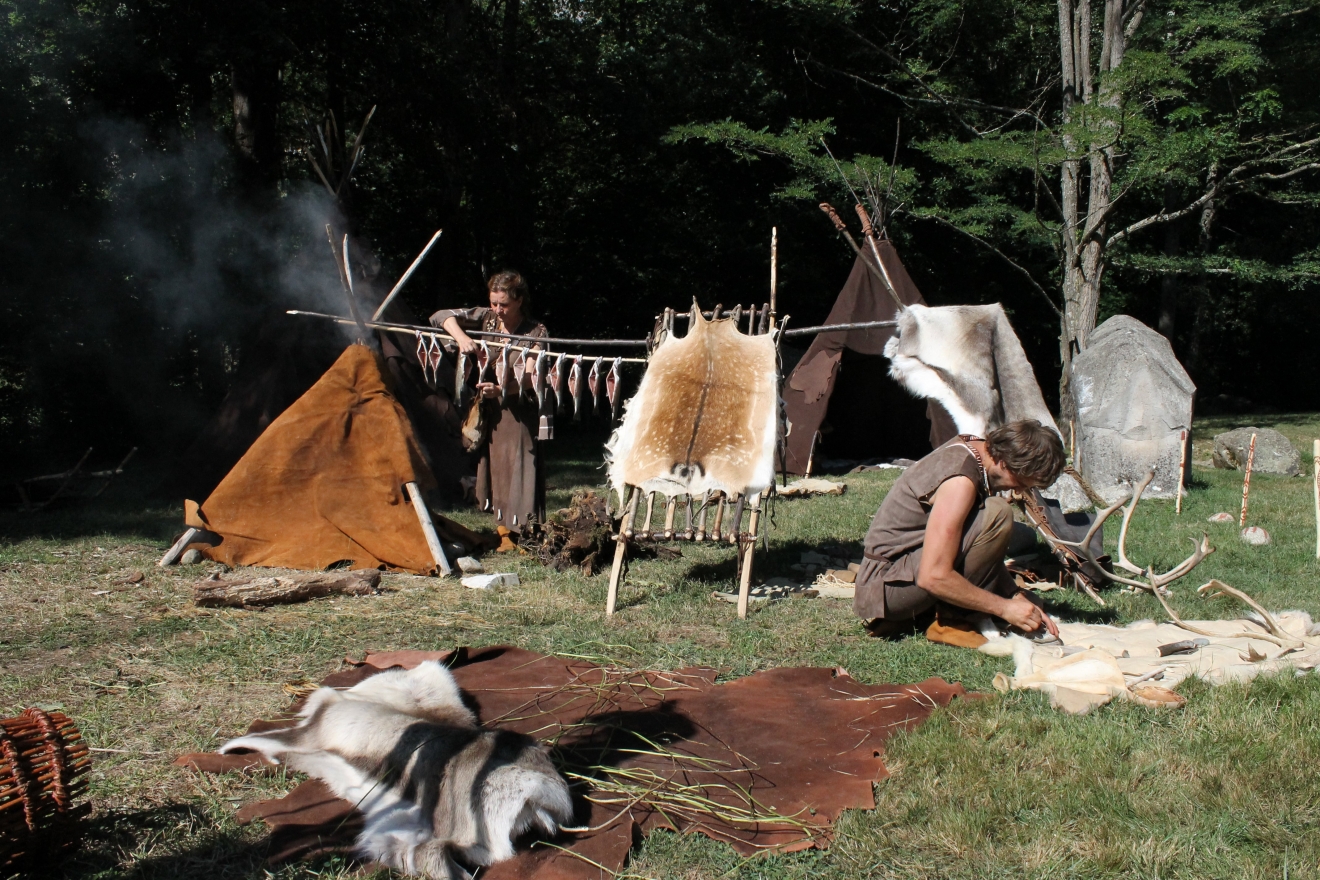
<point>706,416</point>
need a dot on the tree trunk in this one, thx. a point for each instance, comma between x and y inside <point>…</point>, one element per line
<point>1084,258</point>
<point>254,87</point>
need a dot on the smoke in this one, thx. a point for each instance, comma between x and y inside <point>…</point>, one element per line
<point>185,239</point>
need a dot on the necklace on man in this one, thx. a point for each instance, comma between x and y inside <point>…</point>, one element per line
<point>967,444</point>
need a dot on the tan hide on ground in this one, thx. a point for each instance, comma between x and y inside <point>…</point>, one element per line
<point>324,482</point>
<point>705,417</point>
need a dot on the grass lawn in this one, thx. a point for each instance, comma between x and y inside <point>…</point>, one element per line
<point>998,787</point>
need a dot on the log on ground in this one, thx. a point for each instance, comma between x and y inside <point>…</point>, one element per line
<point>217,592</point>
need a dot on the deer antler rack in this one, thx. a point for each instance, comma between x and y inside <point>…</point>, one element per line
<point>1155,583</point>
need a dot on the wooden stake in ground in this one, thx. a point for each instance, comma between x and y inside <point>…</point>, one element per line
<point>1315,456</point>
<point>1246,482</point>
<point>774,274</point>
<point>1182,472</point>
<point>428,528</point>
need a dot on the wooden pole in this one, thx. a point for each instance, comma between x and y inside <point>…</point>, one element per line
<point>620,550</point>
<point>389,298</point>
<point>745,583</point>
<point>1246,482</point>
<point>1315,456</point>
<point>774,274</point>
<point>172,555</point>
<point>1182,471</point>
<point>650,507</point>
<point>428,528</point>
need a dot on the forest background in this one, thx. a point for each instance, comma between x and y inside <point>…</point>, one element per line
<point>158,209</point>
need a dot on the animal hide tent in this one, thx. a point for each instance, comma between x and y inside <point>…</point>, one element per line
<point>842,373</point>
<point>431,783</point>
<point>969,361</point>
<point>706,416</point>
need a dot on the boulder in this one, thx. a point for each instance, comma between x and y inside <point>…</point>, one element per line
<point>1134,401</point>
<point>1274,454</point>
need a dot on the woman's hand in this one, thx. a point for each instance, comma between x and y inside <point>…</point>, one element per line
<point>487,389</point>
<point>465,343</point>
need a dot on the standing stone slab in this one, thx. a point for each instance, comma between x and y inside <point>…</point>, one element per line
<point>1133,401</point>
<point>1274,454</point>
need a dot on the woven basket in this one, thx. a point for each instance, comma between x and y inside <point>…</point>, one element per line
<point>43,770</point>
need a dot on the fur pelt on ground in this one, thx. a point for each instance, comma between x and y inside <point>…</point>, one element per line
<point>435,787</point>
<point>969,360</point>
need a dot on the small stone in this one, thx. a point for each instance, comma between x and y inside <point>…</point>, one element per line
<point>1255,535</point>
<point>1221,518</point>
<point>470,565</point>
<point>489,581</point>
<point>190,557</point>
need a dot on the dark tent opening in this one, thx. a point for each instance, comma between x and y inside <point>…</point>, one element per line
<point>870,415</point>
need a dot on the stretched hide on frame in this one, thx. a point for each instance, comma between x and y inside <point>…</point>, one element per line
<point>324,482</point>
<point>706,417</point>
<point>969,360</point>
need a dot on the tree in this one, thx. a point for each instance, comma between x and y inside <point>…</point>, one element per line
<point>1187,105</point>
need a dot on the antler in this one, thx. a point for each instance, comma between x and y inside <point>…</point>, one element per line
<point>1154,582</point>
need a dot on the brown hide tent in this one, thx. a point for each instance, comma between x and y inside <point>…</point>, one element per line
<point>870,412</point>
<point>324,484</point>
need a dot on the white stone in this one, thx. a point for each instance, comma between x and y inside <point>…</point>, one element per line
<point>488,581</point>
<point>1255,535</point>
<point>470,565</point>
<point>1222,518</point>
<point>1134,400</point>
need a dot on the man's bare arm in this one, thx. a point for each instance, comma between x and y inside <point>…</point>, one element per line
<point>950,507</point>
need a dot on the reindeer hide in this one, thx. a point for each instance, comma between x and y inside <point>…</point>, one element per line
<point>434,786</point>
<point>705,418</point>
<point>969,360</point>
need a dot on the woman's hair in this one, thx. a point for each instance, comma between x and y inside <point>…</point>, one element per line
<point>1028,449</point>
<point>511,283</point>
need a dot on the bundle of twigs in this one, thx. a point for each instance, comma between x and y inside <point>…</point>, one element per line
<point>577,536</point>
<point>43,767</point>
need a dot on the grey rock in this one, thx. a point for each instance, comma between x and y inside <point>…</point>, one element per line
<point>1134,400</point>
<point>190,557</point>
<point>470,565</point>
<point>1255,535</point>
<point>1274,454</point>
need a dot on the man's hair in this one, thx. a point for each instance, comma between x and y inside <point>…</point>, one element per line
<point>1028,449</point>
<point>511,283</point>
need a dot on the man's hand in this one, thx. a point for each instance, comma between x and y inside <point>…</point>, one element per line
<point>487,389</point>
<point>1022,613</point>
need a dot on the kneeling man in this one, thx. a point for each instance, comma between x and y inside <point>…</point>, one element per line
<point>941,536</point>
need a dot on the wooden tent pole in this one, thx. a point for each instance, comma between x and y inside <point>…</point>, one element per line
<point>774,274</point>
<point>1315,456</point>
<point>1182,472</point>
<point>389,298</point>
<point>1246,482</point>
<point>172,555</point>
<point>428,528</point>
<point>869,231</point>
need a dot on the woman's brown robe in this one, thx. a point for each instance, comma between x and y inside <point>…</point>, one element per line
<point>510,476</point>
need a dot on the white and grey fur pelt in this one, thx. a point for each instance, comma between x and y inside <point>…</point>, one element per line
<point>433,785</point>
<point>969,360</point>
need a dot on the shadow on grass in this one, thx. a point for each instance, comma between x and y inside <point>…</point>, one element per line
<point>111,838</point>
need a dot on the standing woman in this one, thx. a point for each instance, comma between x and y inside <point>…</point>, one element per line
<point>510,477</point>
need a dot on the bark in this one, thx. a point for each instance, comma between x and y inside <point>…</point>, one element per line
<point>254,85</point>
<point>1171,283</point>
<point>284,590</point>
<point>1085,215</point>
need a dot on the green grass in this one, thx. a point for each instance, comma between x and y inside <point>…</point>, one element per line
<point>1001,786</point>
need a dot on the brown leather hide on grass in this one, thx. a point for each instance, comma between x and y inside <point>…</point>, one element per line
<point>324,482</point>
<point>804,743</point>
<point>705,417</point>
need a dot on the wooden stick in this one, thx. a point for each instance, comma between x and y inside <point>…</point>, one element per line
<point>389,298</point>
<point>412,329</point>
<point>869,232</point>
<point>774,274</point>
<point>632,512</point>
<point>745,583</point>
<point>1315,455</point>
<point>1246,482</point>
<point>687,518</point>
<point>1182,471</point>
<point>428,528</point>
<point>833,328</point>
<point>701,520</point>
<point>669,517</point>
<point>719,518</point>
<point>1072,441</point>
<point>737,520</point>
<point>650,506</point>
<point>839,225</point>
<point>811,452</point>
<point>172,555</point>
<point>620,550</point>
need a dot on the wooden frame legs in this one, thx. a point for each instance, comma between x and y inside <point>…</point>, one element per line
<point>746,543</point>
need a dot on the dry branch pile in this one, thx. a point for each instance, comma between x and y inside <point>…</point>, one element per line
<point>581,536</point>
<point>43,767</point>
